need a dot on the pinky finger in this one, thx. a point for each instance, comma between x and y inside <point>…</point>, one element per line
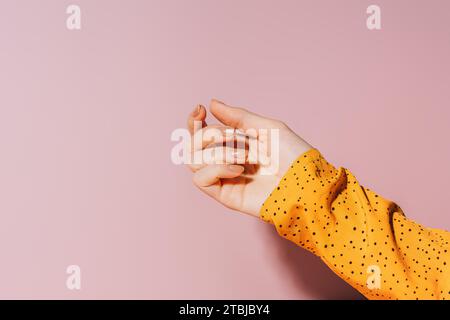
<point>209,176</point>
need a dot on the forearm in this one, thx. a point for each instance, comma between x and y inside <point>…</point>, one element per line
<point>357,233</point>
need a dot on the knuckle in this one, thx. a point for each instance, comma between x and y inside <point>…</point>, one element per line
<point>280,124</point>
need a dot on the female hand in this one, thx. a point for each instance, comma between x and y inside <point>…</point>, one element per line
<point>244,186</point>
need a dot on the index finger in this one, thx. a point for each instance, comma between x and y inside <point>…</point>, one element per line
<point>198,114</point>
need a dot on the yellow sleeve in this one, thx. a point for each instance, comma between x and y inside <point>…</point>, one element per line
<point>363,238</point>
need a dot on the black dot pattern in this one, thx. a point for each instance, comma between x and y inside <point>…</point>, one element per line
<point>326,211</point>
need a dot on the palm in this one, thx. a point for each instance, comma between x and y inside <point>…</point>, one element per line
<point>246,194</point>
<point>246,190</point>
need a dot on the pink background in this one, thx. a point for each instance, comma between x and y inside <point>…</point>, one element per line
<point>86,118</point>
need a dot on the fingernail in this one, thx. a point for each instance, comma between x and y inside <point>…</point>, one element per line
<point>235,168</point>
<point>196,111</point>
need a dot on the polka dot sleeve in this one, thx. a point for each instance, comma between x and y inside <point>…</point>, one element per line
<point>363,238</point>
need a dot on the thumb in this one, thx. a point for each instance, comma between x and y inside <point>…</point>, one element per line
<point>237,117</point>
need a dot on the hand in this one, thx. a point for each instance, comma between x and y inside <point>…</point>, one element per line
<point>242,187</point>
